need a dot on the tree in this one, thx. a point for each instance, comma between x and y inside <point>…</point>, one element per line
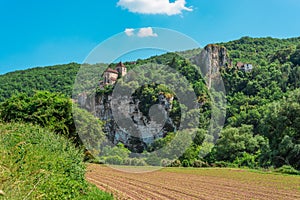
<point>234,142</point>
<point>281,125</point>
<point>295,57</point>
<point>54,111</point>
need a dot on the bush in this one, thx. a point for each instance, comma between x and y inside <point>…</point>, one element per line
<point>114,160</point>
<point>200,163</point>
<point>119,150</point>
<point>166,163</point>
<point>134,162</point>
<point>153,160</point>
<point>175,163</point>
<point>220,164</point>
<point>287,169</point>
<point>138,162</point>
<point>55,112</point>
<point>247,160</point>
<point>51,110</point>
<point>127,161</point>
<point>185,163</point>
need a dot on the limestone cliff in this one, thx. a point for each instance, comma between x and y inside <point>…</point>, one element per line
<point>148,130</point>
<point>211,59</point>
<point>129,125</point>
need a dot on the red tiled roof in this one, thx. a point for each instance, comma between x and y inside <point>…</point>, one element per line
<point>120,64</point>
<point>239,64</point>
<point>111,71</point>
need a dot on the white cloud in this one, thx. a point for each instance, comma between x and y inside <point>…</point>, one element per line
<point>129,31</point>
<point>143,32</point>
<point>146,32</point>
<point>155,6</point>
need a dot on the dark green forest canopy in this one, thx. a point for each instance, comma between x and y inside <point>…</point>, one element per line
<point>59,78</point>
<point>257,50</point>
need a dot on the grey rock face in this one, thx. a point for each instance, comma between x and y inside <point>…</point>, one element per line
<point>129,122</point>
<point>210,60</point>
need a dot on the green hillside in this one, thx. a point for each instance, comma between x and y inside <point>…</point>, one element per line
<point>265,52</point>
<point>262,111</point>
<point>45,163</point>
<point>59,78</point>
<point>38,164</point>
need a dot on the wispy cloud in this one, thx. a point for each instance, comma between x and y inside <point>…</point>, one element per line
<point>146,32</point>
<point>143,32</point>
<point>129,31</point>
<point>155,6</point>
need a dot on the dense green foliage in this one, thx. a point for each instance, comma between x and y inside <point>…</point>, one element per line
<point>262,120</point>
<point>52,110</point>
<point>56,112</point>
<point>58,78</point>
<point>239,146</point>
<point>281,125</point>
<point>267,97</point>
<point>259,50</point>
<point>38,164</point>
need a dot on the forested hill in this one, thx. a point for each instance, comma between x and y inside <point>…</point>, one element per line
<point>261,50</point>
<point>262,126</point>
<point>58,78</point>
<point>275,53</point>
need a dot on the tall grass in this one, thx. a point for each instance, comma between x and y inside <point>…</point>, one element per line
<point>38,164</point>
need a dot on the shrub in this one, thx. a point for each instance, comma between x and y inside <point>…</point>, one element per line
<point>51,110</point>
<point>185,163</point>
<point>119,150</point>
<point>138,162</point>
<point>175,163</point>
<point>142,163</point>
<point>134,162</point>
<point>114,160</point>
<point>200,163</point>
<point>166,162</point>
<point>153,160</point>
<point>55,112</point>
<point>287,169</point>
<point>247,160</point>
<point>220,164</point>
<point>127,161</point>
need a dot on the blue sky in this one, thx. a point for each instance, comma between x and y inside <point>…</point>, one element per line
<point>39,33</point>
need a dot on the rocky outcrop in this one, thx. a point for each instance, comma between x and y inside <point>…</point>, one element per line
<point>210,60</point>
<point>217,55</point>
<point>124,122</point>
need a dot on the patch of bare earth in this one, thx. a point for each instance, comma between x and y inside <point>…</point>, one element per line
<point>194,184</point>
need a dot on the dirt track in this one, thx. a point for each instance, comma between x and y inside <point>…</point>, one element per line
<point>194,184</point>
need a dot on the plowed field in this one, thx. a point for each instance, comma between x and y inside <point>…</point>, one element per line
<point>189,184</point>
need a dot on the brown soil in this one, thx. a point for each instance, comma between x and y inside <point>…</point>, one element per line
<point>194,184</point>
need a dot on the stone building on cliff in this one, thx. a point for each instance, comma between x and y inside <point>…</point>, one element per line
<point>110,76</point>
